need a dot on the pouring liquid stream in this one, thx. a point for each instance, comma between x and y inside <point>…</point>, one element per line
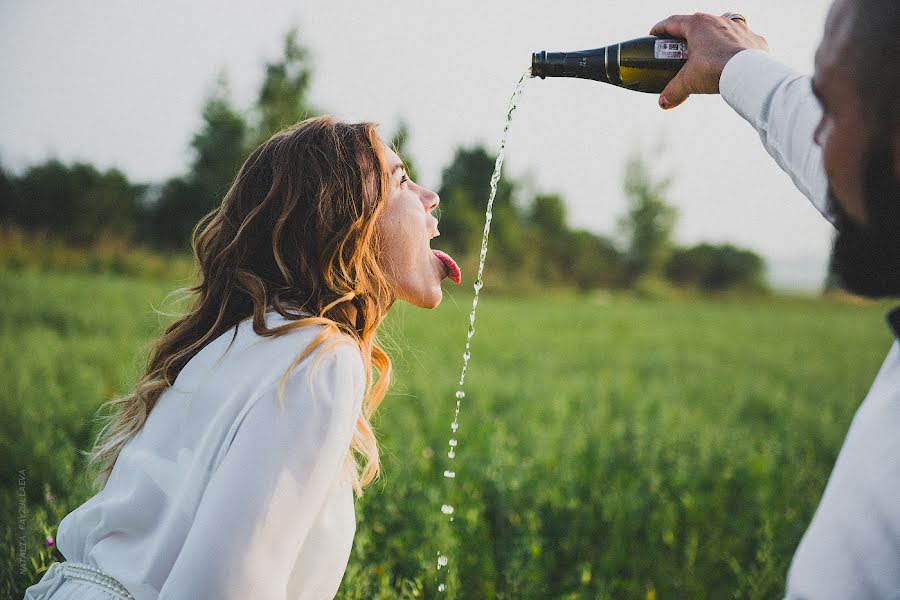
<point>453,443</point>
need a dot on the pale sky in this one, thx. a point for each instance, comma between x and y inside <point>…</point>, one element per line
<point>121,83</point>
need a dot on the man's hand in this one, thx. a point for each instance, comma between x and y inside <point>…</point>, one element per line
<point>711,42</point>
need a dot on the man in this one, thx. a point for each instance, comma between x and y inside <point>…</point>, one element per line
<point>838,136</point>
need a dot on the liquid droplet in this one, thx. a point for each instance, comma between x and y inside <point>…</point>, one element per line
<point>479,284</point>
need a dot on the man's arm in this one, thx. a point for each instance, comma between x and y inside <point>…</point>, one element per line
<point>780,105</point>
<point>725,56</point>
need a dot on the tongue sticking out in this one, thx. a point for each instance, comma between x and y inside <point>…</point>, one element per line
<point>452,268</point>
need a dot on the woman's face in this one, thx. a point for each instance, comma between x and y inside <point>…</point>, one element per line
<point>405,228</point>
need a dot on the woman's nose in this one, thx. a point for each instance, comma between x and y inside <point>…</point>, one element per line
<point>430,199</point>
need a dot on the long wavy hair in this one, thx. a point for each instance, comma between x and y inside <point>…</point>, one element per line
<point>295,232</point>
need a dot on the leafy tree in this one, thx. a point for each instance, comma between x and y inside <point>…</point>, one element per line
<point>592,261</point>
<point>465,185</point>
<point>78,203</point>
<point>170,220</point>
<point>548,214</point>
<point>648,224</point>
<point>47,198</point>
<point>219,150</point>
<point>284,94</point>
<point>220,144</point>
<point>225,140</point>
<point>8,196</point>
<point>547,245</point>
<point>399,143</point>
<point>471,168</point>
<point>712,268</point>
<point>461,226</point>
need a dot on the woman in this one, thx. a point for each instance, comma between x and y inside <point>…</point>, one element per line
<point>229,471</point>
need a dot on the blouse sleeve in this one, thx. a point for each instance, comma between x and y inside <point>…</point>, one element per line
<point>262,500</point>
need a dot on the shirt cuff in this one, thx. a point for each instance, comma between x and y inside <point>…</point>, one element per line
<point>748,79</point>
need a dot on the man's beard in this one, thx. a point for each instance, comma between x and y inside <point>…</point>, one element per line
<point>866,258</point>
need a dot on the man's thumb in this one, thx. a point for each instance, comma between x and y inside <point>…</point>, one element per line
<point>675,93</point>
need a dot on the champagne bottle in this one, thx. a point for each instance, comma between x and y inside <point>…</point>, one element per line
<point>645,64</point>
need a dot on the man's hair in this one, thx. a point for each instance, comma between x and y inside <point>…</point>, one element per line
<point>875,51</point>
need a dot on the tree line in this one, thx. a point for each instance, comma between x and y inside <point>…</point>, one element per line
<point>532,243</point>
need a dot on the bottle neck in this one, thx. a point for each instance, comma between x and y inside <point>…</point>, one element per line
<point>600,64</point>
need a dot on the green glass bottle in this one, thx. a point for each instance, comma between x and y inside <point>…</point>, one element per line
<point>645,64</point>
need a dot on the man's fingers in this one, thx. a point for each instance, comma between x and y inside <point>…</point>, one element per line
<point>737,19</point>
<point>675,93</point>
<point>673,26</point>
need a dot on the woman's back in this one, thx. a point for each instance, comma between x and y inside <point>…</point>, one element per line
<point>221,494</point>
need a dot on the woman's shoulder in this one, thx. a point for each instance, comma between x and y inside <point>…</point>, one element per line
<point>289,335</point>
<point>337,343</point>
<point>338,352</point>
<point>242,352</point>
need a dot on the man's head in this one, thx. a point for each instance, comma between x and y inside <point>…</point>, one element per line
<point>858,84</point>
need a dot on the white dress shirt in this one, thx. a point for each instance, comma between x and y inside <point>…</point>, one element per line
<point>222,495</point>
<point>851,549</point>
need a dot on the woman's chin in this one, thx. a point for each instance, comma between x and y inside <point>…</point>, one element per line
<point>428,299</point>
<point>433,300</point>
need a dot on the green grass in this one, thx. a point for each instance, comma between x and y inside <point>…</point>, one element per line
<point>609,447</point>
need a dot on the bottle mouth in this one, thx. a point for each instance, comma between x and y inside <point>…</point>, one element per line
<point>537,61</point>
<point>547,64</point>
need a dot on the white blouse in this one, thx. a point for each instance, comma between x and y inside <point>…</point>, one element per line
<point>222,495</point>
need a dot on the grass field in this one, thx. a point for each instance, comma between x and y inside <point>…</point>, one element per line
<point>609,447</point>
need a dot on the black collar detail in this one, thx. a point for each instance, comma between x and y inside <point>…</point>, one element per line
<point>893,319</point>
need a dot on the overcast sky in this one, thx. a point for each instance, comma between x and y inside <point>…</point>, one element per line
<point>121,83</point>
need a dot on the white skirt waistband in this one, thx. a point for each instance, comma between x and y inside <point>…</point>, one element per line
<point>59,571</point>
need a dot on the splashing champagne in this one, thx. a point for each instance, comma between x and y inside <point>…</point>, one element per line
<point>447,509</point>
<point>645,64</point>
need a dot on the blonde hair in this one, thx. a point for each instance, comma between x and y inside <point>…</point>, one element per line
<point>296,231</point>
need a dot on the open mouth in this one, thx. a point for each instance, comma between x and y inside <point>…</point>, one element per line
<point>452,268</point>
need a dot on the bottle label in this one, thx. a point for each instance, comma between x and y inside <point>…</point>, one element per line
<point>670,49</point>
